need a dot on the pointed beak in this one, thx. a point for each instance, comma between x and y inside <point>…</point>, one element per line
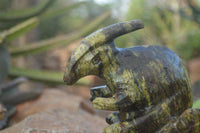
<point>68,79</point>
<point>70,75</point>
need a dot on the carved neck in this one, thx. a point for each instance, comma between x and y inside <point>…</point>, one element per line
<point>107,55</point>
<point>109,65</point>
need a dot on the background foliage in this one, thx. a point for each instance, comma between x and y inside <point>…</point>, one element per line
<point>31,29</point>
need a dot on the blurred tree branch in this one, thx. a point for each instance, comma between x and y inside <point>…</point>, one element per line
<point>26,13</point>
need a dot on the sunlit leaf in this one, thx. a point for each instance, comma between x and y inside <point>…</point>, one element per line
<point>60,10</point>
<point>51,77</point>
<point>13,15</point>
<point>18,30</point>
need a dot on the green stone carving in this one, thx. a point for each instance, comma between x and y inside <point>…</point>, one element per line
<point>148,86</point>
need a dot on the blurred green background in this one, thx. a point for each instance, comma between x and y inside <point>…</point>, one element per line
<point>37,36</point>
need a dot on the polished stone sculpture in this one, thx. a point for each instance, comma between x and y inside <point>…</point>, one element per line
<point>148,86</point>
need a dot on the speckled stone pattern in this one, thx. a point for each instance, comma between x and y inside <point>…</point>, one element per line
<point>147,86</point>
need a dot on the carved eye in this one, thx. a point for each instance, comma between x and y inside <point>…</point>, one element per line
<point>96,60</point>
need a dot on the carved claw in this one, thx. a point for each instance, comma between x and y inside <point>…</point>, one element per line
<point>117,117</point>
<point>100,91</point>
<point>114,128</point>
<point>122,100</point>
<point>188,122</point>
<point>124,127</point>
<point>105,103</point>
<point>113,118</point>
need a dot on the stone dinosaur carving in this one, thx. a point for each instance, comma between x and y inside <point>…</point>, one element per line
<point>148,86</point>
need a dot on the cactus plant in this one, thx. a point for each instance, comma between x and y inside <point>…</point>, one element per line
<point>25,21</point>
<point>23,27</point>
<point>14,15</point>
<point>51,77</point>
<point>58,41</point>
<point>5,63</point>
<point>16,31</point>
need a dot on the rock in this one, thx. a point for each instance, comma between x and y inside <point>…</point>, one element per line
<point>53,99</point>
<point>13,83</point>
<point>61,113</point>
<point>50,99</point>
<point>17,95</point>
<point>81,91</point>
<point>17,91</point>
<point>86,105</point>
<point>59,121</point>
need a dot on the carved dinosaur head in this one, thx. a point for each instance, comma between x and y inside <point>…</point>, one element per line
<point>85,59</point>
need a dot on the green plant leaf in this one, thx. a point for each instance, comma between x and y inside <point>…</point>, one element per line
<point>51,77</point>
<point>16,15</point>
<point>60,10</point>
<point>18,30</point>
<point>196,104</point>
<point>58,41</point>
<point>41,46</point>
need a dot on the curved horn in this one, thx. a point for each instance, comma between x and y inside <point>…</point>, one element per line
<point>105,35</point>
<point>109,33</point>
<point>100,37</point>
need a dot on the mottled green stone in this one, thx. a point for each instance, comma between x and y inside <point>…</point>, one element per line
<point>148,85</point>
